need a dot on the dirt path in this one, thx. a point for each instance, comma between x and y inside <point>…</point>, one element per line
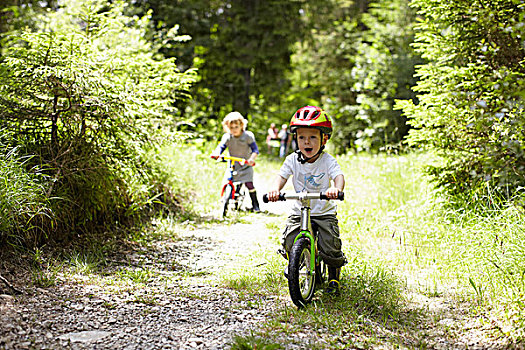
<point>178,306</point>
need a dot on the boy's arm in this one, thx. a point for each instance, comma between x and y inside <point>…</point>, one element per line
<point>339,182</point>
<point>251,160</point>
<point>218,151</point>
<point>273,195</point>
<point>339,185</point>
<point>255,153</point>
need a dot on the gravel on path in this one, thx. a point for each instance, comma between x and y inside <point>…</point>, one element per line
<point>179,308</point>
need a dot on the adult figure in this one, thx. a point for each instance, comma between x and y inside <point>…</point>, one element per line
<point>272,136</point>
<point>285,139</point>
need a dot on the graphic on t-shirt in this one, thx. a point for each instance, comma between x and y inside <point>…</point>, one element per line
<point>311,180</point>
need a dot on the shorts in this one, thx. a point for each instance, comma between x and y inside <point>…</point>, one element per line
<point>329,243</point>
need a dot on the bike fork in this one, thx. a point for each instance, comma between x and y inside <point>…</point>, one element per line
<point>306,231</point>
<point>233,189</point>
<point>308,235</point>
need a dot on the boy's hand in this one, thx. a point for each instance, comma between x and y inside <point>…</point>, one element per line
<point>250,162</point>
<point>332,192</point>
<point>273,196</point>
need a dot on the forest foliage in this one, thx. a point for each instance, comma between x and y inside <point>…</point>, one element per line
<point>470,94</point>
<point>86,97</point>
<point>90,88</point>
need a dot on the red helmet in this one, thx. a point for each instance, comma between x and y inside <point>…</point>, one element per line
<point>311,117</point>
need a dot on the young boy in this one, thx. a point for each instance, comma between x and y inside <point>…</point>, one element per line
<point>312,170</point>
<point>240,143</point>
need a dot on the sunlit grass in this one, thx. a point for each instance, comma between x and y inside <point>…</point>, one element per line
<point>137,276</point>
<point>24,208</point>
<point>44,278</point>
<point>393,215</point>
<point>85,262</point>
<point>400,236</point>
<point>369,295</point>
<point>256,279</point>
<point>253,342</point>
<point>192,169</point>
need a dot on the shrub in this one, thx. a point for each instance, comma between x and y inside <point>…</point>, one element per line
<point>470,92</point>
<point>89,97</point>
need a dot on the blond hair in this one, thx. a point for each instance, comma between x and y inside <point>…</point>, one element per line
<point>233,117</point>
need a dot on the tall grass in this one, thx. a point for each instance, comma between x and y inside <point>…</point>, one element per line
<point>83,193</point>
<point>473,251</point>
<point>23,202</point>
<point>191,169</point>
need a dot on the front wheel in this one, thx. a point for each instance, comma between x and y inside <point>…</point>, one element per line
<point>239,196</point>
<point>226,197</point>
<point>301,281</point>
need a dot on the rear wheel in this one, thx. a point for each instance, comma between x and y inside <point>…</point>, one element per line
<point>301,281</point>
<point>320,272</point>
<point>226,197</point>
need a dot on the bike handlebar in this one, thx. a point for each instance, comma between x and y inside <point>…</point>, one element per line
<point>304,195</point>
<point>234,159</point>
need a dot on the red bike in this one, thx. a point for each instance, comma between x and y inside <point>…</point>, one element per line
<point>233,192</point>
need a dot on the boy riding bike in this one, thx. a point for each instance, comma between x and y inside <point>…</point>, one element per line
<point>312,171</point>
<point>240,143</point>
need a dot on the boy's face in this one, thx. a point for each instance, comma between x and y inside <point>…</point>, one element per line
<point>235,129</point>
<point>309,141</point>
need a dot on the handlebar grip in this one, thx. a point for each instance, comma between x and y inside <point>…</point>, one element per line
<point>282,197</point>
<point>340,196</point>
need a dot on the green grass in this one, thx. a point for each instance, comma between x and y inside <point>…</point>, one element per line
<point>23,202</point>
<point>86,262</point>
<point>136,276</point>
<point>194,170</point>
<point>253,342</point>
<point>250,278</point>
<point>369,294</point>
<point>474,252</point>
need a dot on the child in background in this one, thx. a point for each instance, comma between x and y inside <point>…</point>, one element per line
<point>313,170</point>
<point>240,143</point>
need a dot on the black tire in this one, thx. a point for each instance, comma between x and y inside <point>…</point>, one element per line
<point>238,197</point>
<point>226,197</point>
<point>301,281</point>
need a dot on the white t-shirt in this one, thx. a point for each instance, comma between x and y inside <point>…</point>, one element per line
<point>312,177</point>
